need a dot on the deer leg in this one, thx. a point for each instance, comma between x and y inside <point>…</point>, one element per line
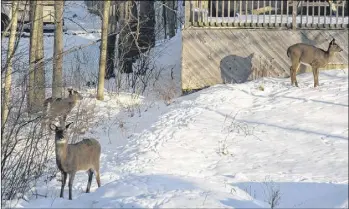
<point>294,67</point>
<point>90,175</point>
<point>65,118</point>
<point>61,121</point>
<point>43,122</point>
<point>316,77</point>
<point>295,75</point>
<point>43,125</point>
<point>47,122</point>
<point>98,178</point>
<point>70,184</point>
<point>64,179</point>
<point>291,73</point>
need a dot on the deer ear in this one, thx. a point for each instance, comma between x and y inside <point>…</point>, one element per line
<point>67,126</point>
<point>332,42</point>
<point>53,127</point>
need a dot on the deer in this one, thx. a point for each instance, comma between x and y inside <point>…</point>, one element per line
<point>61,107</point>
<point>301,53</point>
<point>81,156</point>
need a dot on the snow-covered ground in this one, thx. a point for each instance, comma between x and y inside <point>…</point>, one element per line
<point>79,20</point>
<point>225,146</point>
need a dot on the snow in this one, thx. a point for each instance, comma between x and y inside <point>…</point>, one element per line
<point>225,146</point>
<point>77,18</point>
<point>162,61</point>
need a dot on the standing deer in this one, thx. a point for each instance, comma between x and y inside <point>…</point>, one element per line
<point>59,107</point>
<point>71,158</point>
<point>310,55</point>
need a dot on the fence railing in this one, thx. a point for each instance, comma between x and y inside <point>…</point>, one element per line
<point>316,14</point>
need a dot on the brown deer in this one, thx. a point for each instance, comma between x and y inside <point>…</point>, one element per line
<point>71,158</point>
<point>59,107</point>
<point>310,55</point>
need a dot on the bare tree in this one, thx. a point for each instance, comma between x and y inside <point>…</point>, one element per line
<point>134,66</point>
<point>170,17</point>
<point>112,30</point>
<point>103,52</point>
<point>24,151</point>
<point>40,70</point>
<point>57,81</point>
<point>34,16</point>
<point>125,43</point>
<point>8,77</point>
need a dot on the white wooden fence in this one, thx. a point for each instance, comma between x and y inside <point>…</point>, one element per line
<point>316,14</point>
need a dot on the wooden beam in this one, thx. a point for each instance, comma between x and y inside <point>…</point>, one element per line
<point>187,14</point>
<point>294,15</point>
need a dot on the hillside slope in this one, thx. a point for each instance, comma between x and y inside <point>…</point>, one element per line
<point>225,146</point>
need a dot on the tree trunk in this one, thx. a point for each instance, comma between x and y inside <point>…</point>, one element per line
<point>32,54</point>
<point>57,80</point>
<point>11,47</point>
<point>40,70</point>
<point>171,18</point>
<point>146,38</point>
<point>110,57</point>
<point>103,52</point>
<point>112,29</point>
<point>164,17</point>
<point>126,49</point>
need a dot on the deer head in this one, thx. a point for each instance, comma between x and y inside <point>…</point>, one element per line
<point>334,47</point>
<point>60,133</point>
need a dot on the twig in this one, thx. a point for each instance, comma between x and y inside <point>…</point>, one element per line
<point>76,23</point>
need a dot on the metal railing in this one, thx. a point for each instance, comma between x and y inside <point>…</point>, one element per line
<point>315,14</point>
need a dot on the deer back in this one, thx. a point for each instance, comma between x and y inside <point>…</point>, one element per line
<point>83,155</point>
<point>59,107</point>
<point>307,53</point>
<point>312,55</point>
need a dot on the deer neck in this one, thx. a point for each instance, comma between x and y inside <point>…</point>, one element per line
<point>330,54</point>
<point>72,101</point>
<point>327,55</point>
<point>61,155</point>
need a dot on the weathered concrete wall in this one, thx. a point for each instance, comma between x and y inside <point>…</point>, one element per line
<point>212,56</point>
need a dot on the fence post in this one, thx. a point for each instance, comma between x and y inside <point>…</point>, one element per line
<point>204,11</point>
<point>187,14</point>
<point>294,14</point>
